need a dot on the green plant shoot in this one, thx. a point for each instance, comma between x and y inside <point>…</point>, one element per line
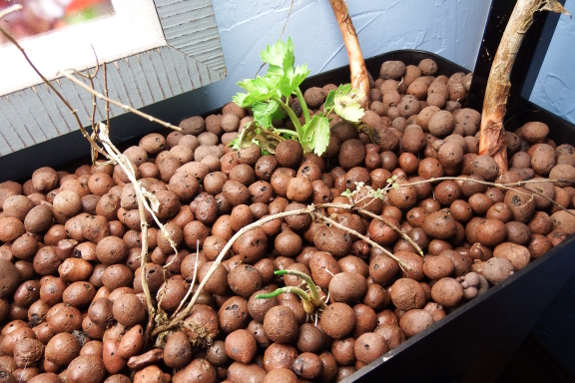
<point>268,97</point>
<point>312,302</point>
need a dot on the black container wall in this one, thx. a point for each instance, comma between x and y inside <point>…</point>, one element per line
<point>530,54</point>
<point>474,343</point>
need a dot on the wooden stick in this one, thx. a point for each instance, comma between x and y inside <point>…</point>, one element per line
<point>492,140</point>
<point>359,76</point>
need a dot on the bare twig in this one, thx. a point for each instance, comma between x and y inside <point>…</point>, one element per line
<point>90,78</point>
<point>117,103</point>
<point>184,313</point>
<point>397,229</point>
<point>103,136</point>
<point>287,19</point>
<point>366,239</point>
<point>94,145</point>
<point>192,283</point>
<point>105,66</point>
<point>142,196</point>
<point>506,186</point>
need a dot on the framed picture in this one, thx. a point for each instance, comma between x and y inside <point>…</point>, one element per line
<point>154,50</point>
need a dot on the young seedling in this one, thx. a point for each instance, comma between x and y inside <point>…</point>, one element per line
<point>312,303</point>
<point>269,96</point>
<point>372,193</point>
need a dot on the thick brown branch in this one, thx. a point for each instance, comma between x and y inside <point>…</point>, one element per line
<point>492,139</point>
<point>359,76</point>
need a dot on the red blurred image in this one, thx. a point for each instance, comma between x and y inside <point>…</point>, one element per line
<point>43,16</point>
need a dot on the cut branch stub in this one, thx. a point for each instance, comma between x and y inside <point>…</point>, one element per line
<point>359,76</point>
<point>492,139</point>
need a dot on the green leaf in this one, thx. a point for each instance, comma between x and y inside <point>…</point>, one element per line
<point>266,112</point>
<point>329,100</point>
<point>275,71</point>
<point>292,79</point>
<point>280,54</point>
<point>299,74</point>
<point>239,98</point>
<point>265,97</point>
<point>316,134</point>
<point>347,193</point>
<point>284,87</point>
<point>259,89</point>
<point>351,113</point>
<point>377,193</point>
<point>343,90</point>
<point>258,85</point>
<point>235,143</point>
<point>346,103</point>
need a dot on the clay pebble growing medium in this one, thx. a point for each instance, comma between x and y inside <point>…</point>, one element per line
<point>72,304</point>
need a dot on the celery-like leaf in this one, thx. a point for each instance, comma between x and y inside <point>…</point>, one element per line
<point>351,113</point>
<point>316,134</point>
<point>343,90</point>
<point>280,54</point>
<point>259,89</point>
<point>346,103</point>
<point>266,112</point>
<point>257,85</point>
<point>266,95</point>
<point>299,74</point>
<point>329,100</point>
<point>239,98</point>
<point>292,79</point>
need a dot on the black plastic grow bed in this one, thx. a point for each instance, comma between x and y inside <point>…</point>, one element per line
<point>475,342</point>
